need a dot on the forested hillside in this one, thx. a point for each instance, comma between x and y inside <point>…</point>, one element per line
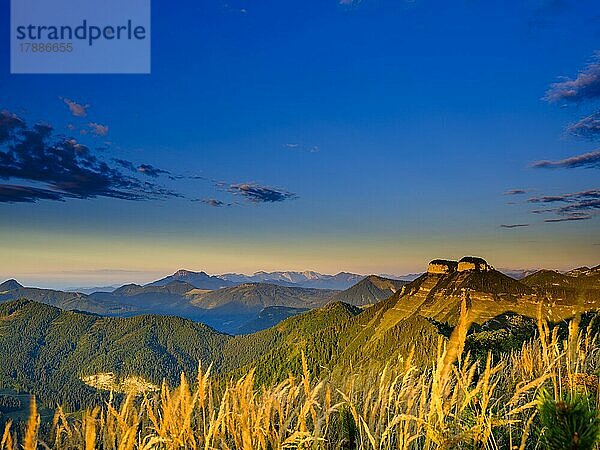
<point>46,351</point>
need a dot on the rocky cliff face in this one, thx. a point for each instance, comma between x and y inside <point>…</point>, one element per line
<point>442,266</point>
<point>439,293</point>
<point>466,264</point>
<point>472,263</point>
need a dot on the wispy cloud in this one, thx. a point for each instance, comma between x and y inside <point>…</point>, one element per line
<point>585,86</point>
<point>586,128</point>
<point>574,196</point>
<point>77,109</point>
<point>256,193</point>
<point>296,146</point>
<point>514,225</point>
<point>98,129</point>
<point>584,205</point>
<point>145,169</point>
<point>515,192</point>
<point>586,160</point>
<point>573,206</point>
<point>213,202</point>
<point>569,218</point>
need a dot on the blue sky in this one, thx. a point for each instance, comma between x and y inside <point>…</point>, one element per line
<point>369,137</point>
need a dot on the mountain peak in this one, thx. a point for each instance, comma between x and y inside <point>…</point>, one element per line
<point>473,263</point>
<point>10,285</point>
<point>465,264</point>
<point>583,271</point>
<point>185,273</point>
<point>371,278</point>
<point>127,288</point>
<point>199,280</point>
<point>369,290</point>
<point>442,266</point>
<point>306,279</point>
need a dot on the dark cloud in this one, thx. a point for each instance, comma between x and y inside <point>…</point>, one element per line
<point>65,168</point>
<point>9,125</point>
<point>151,171</point>
<point>586,128</point>
<point>585,86</point>
<point>583,205</point>
<point>53,167</point>
<point>592,194</point>
<point>212,202</point>
<point>145,169</point>
<point>125,164</point>
<point>514,225</point>
<point>586,160</point>
<point>190,177</point>
<point>10,193</point>
<point>572,206</point>
<point>569,218</point>
<point>77,109</point>
<point>260,194</point>
<point>515,192</point>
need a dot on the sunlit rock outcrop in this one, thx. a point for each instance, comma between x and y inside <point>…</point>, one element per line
<point>468,263</point>
<point>473,263</point>
<point>442,266</point>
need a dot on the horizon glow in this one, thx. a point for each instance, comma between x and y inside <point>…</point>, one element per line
<point>367,138</point>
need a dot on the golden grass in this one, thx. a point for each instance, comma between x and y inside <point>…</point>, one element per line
<point>454,403</point>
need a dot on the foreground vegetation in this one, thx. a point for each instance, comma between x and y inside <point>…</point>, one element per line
<point>543,395</point>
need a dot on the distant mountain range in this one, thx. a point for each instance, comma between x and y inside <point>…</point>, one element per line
<point>229,305</point>
<point>12,290</point>
<point>92,289</point>
<point>239,306</point>
<point>232,309</point>
<point>256,296</point>
<point>59,348</point>
<point>199,280</point>
<point>518,274</point>
<point>307,279</point>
